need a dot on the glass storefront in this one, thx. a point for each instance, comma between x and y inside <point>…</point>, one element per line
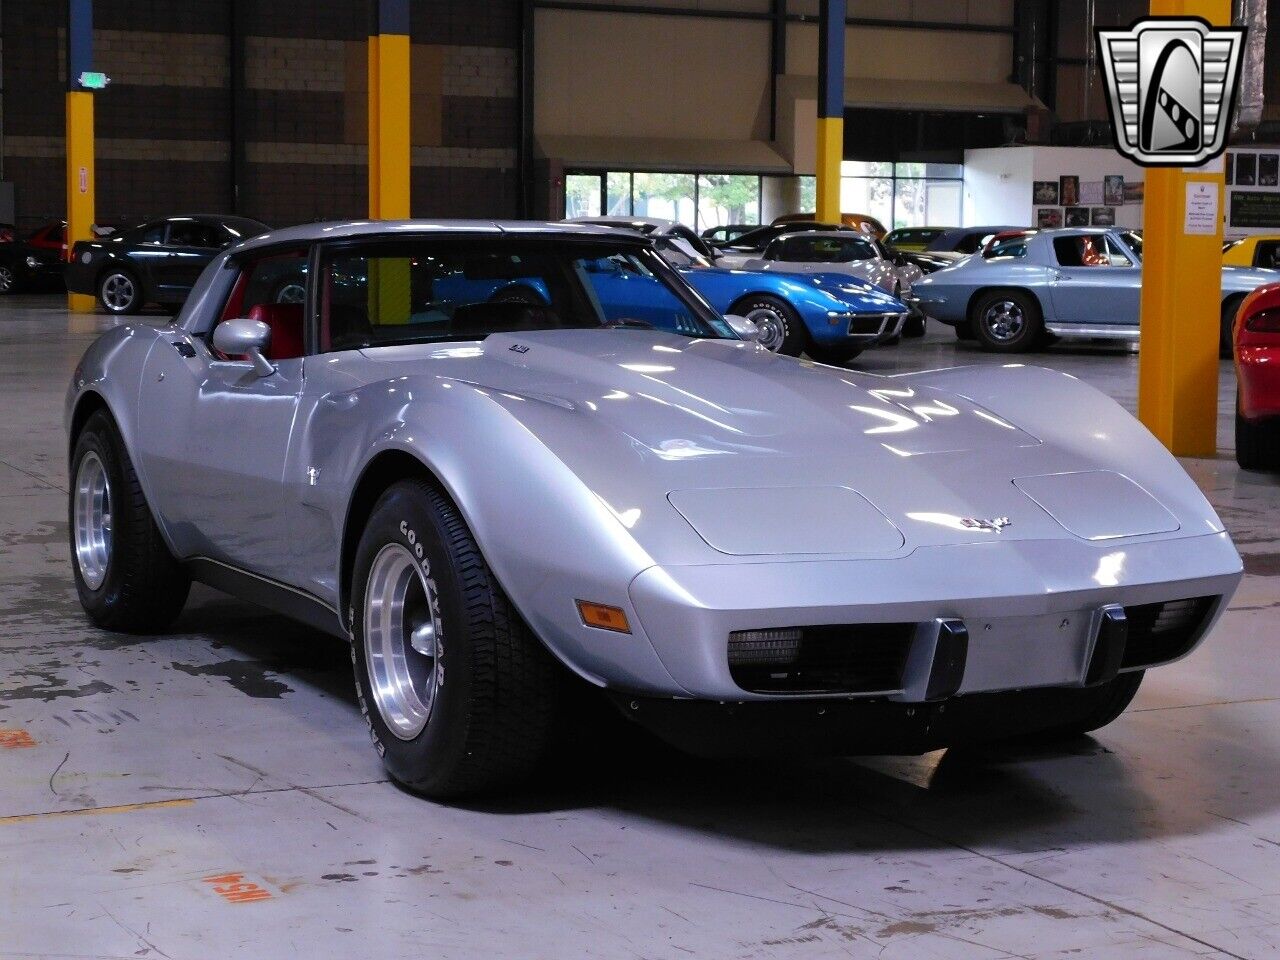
<point>896,194</point>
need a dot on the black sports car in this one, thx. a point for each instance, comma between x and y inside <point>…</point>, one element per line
<point>24,266</point>
<point>156,262</point>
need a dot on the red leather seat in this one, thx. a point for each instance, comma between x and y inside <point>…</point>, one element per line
<point>285,321</point>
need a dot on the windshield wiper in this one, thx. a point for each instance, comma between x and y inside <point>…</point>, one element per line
<point>626,322</point>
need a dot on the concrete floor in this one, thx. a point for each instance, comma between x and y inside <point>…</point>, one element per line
<point>150,788</point>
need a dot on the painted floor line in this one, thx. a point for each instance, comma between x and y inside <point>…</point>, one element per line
<point>87,811</point>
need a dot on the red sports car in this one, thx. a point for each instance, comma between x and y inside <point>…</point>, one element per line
<point>1257,342</point>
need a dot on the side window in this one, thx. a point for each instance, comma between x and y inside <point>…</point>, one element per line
<point>969,243</point>
<point>153,236</point>
<point>1081,251</point>
<point>193,233</point>
<point>1012,247</point>
<point>1267,255</point>
<point>272,289</point>
<point>1116,255</point>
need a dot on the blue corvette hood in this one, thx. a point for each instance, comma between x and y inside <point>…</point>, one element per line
<point>824,291</point>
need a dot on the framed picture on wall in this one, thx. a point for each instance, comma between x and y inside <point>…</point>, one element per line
<point>1229,168</point>
<point>1268,169</point>
<point>1068,191</point>
<point>1102,216</point>
<point>1135,191</point>
<point>1076,217</point>
<point>1045,193</point>
<point>1246,169</point>
<point>1049,218</point>
<point>1090,193</point>
<point>1113,190</point>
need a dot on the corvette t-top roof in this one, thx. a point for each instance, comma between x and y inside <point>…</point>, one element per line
<point>355,229</point>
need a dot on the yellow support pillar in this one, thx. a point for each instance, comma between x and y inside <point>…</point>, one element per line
<point>80,178</point>
<point>79,138</point>
<point>830,156</point>
<point>389,160</point>
<point>831,28</point>
<point>1182,290</point>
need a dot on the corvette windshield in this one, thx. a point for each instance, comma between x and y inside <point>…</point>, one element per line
<point>463,288</point>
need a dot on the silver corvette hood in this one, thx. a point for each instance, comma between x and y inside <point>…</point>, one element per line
<point>763,454</point>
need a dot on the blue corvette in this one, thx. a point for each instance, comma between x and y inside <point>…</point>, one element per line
<point>830,316</point>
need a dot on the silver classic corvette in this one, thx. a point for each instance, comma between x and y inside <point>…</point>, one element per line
<point>495,496</point>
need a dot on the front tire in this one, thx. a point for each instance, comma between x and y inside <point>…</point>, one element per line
<point>120,292</point>
<point>1226,332</point>
<point>458,694</point>
<point>1257,442</point>
<point>125,576</point>
<point>8,279</point>
<point>781,329</point>
<point>1007,321</point>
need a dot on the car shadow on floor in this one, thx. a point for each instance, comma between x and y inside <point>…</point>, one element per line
<point>1078,791</point>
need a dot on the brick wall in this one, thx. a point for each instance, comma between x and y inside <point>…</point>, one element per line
<point>163,127</point>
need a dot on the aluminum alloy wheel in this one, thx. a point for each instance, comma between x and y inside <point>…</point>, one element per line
<point>773,328</point>
<point>1004,321</point>
<point>403,642</point>
<point>91,516</point>
<point>118,292</point>
<point>7,280</point>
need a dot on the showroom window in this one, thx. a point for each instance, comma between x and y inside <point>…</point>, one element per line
<point>699,200</point>
<point>896,194</point>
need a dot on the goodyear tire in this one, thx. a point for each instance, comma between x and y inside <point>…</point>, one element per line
<point>124,574</point>
<point>457,692</point>
<point>781,329</point>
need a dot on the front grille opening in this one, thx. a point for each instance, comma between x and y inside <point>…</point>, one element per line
<point>866,323</point>
<point>1159,632</point>
<point>846,658</point>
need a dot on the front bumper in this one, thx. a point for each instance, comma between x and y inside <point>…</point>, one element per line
<point>1032,610</point>
<point>859,329</point>
<point>1259,372</point>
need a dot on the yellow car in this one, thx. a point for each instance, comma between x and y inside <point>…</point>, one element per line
<point>1257,251</point>
<point>914,238</point>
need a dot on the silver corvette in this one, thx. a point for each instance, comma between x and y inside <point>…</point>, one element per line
<point>494,499</point>
<point>1022,290</point>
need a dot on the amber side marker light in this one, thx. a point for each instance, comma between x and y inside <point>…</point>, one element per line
<point>603,616</point>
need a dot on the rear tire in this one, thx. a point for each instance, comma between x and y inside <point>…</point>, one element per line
<point>781,329</point>
<point>120,292</point>
<point>1007,321</point>
<point>458,693</point>
<point>125,576</point>
<point>1257,442</point>
<point>8,279</point>
<point>915,326</point>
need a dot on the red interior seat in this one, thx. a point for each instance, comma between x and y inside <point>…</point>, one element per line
<point>285,321</point>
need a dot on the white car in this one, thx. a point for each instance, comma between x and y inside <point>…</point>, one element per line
<point>830,251</point>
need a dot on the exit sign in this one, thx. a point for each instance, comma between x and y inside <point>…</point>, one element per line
<point>94,80</point>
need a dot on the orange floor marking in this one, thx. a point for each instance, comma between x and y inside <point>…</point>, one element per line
<point>13,739</point>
